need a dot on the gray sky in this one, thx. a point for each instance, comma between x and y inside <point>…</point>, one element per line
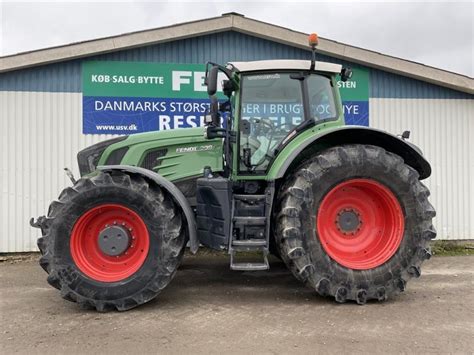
<point>440,34</point>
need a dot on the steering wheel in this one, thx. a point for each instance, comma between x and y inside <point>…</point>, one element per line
<point>262,127</point>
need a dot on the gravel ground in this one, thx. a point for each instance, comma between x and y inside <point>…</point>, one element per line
<point>210,309</point>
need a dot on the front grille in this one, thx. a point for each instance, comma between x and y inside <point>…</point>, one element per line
<point>152,158</point>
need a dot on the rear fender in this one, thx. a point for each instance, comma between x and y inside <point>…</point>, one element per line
<point>410,153</point>
<point>171,189</point>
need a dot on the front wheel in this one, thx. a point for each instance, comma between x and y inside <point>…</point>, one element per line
<point>354,223</point>
<point>113,241</point>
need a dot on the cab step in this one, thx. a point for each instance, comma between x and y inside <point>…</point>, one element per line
<point>249,197</point>
<point>250,243</point>
<point>249,221</point>
<point>250,229</point>
<point>247,266</point>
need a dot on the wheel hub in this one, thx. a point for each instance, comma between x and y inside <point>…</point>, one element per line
<point>360,223</point>
<point>348,220</point>
<point>114,240</point>
<point>109,242</point>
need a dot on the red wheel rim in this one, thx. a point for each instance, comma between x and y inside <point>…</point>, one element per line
<point>360,224</point>
<point>91,259</point>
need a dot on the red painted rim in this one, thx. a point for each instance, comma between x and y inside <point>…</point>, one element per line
<point>85,249</point>
<point>379,230</point>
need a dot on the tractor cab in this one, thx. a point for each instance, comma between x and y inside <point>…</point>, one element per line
<point>270,103</point>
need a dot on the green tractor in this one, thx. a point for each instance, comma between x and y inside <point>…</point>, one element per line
<point>274,170</point>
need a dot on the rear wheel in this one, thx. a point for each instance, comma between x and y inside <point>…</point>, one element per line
<point>354,223</point>
<point>113,241</point>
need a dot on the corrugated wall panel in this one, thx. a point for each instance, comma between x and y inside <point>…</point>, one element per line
<point>444,130</point>
<point>388,85</point>
<point>40,135</point>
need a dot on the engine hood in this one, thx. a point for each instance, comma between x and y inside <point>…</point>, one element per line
<point>174,154</point>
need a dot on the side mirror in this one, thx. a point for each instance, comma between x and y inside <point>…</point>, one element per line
<point>346,74</point>
<point>211,80</point>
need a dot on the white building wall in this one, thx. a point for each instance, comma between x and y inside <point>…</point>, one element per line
<point>41,134</point>
<point>444,129</point>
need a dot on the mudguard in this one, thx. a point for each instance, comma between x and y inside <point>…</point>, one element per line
<point>410,153</point>
<point>171,189</point>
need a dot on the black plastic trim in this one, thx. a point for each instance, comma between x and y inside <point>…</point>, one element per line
<point>97,149</point>
<point>116,156</point>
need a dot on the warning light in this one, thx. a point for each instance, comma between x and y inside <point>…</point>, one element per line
<point>313,40</point>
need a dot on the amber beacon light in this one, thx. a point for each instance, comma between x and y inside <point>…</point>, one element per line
<point>313,40</point>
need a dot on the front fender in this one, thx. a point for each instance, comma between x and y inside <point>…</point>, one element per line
<point>171,189</point>
<point>297,149</point>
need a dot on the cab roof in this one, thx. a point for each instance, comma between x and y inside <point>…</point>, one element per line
<point>283,64</point>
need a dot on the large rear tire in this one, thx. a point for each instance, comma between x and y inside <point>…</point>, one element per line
<point>113,241</point>
<point>354,223</point>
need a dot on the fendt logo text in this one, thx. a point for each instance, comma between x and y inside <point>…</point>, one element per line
<point>201,148</point>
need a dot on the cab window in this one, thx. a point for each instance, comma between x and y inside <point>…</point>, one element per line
<point>271,106</point>
<point>321,98</point>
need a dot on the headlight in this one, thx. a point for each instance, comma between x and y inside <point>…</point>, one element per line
<point>89,158</point>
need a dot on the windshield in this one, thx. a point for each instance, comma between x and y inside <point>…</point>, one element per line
<point>272,106</point>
